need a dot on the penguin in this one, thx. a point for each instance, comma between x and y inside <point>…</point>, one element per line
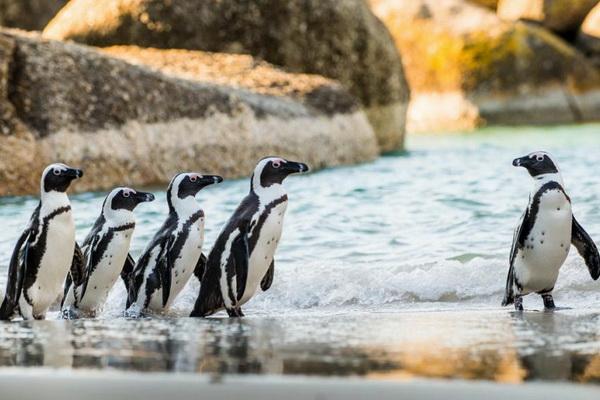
<point>242,257</point>
<point>543,237</point>
<point>45,250</point>
<point>105,254</point>
<point>175,252</point>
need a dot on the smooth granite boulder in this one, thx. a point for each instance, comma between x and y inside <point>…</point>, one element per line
<point>129,124</point>
<point>466,68</point>
<point>342,40</point>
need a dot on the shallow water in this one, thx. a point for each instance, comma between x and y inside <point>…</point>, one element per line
<point>426,230</point>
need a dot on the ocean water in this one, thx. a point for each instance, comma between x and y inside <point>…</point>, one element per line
<point>426,231</point>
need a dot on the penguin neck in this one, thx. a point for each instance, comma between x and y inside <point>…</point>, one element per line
<point>267,194</point>
<point>541,180</point>
<point>53,200</point>
<point>116,218</point>
<point>185,208</point>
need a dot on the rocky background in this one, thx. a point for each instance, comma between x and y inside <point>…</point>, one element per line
<point>136,90</point>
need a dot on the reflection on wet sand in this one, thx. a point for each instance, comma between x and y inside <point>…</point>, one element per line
<point>498,346</point>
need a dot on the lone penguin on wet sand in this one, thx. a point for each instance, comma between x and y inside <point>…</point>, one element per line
<point>242,257</point>
<point>175,252</point>
<point>43,254</point>
<point>105,255</point>
<point>542,240</point>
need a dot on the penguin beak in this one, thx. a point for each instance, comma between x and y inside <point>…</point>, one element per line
<point>293,167</point>
<point>73,173</point>
<point>210,180</point>
<point>142,197</point>
<point>520,162</point>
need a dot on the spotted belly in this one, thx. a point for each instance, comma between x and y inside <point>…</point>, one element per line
<point>54,264</point>
<point>264,251</point>
<point>546,247</point>
<point>183,268</point>
<point>106,273</point>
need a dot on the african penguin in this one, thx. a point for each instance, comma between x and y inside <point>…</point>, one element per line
<point>242,257</point>
<point>542,240</point>
<point>105,254</point>
<point>175,252</point>
<point>43,254</point>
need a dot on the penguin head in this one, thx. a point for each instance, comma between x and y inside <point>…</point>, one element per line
<point>273,170</point>
<point>537,163</point>
<point>57,177</point>
<point>124,198</point>
<point>186,185</point>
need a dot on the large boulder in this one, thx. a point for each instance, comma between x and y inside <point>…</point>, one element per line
<point>588,37</point>
<point>28,14</point>
<point>130,124</point>
<point>466,67</point>
<point>342,40</point>
<point>557,15</point>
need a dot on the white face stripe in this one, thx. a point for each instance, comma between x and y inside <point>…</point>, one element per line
<point>259,169</point>
<point>186,206</point>
<point>117,217</point>
<point>49,170</point>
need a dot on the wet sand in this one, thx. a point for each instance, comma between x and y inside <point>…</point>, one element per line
<point>484,345</point>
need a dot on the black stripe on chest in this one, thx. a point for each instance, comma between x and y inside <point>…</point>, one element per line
<point>98,252</point>
<point>256,229</point>
<point>532,212</point>
<point>36,253</point>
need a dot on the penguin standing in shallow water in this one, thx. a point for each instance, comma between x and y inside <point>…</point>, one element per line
<point>175,252</point>
<point>542,240</point>
<point>105,254</point>
<point>242,257</point>
<point>43,254</point>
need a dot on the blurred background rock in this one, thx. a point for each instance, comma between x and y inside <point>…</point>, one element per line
<point>329,81</point>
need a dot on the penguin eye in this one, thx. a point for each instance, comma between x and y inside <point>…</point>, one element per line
<point>193,178</point>
<point>540,158</point>
<point>126,194</point>
<point>56,171</point>
<point>276,164</point>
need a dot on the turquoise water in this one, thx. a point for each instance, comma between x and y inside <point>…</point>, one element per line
<point>428,229</point>
<point>391,267</point>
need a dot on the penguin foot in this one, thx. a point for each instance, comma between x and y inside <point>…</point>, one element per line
<point>235,312</point>
<point>518,303</point>
<point>70,313</point>
<point>548,302</point>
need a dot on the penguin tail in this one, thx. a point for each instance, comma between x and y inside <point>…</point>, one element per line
<point>508,299</point>
<point>207,304</point>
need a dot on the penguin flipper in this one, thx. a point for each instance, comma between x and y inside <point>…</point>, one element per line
<point>267,281</point>
<point>200,267</point>
<point>16,273</point>
<point>88,267</point>
<point>240,258</point>
<point>586,248</point>
<point>76,274</point>
<point>127,270</point>
<point>166,266</point>
<point>518,238</point>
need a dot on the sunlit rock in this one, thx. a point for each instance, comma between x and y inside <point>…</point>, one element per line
<point>588,37</point>
<point>556,15</point>
<point>466,68</point>
<point>127,124</point>
<point>338,39</point>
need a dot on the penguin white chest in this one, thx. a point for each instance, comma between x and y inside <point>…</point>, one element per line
<point>547,245</point>
<point>107,272</point>
<point>185,263</point>
<point>55,262</point>
<point>264,250</point>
